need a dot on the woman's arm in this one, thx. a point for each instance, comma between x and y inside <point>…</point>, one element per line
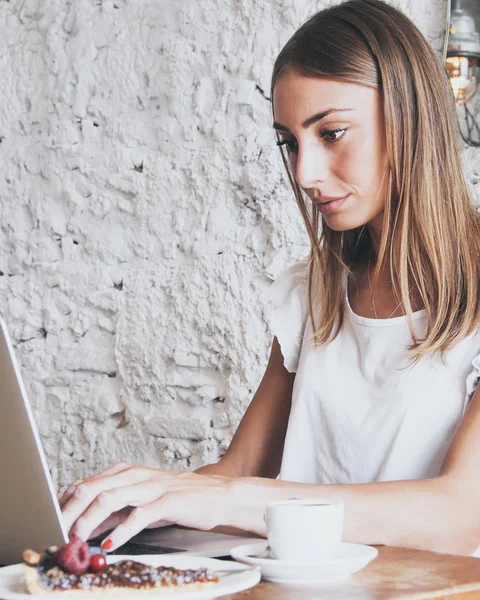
<point>257,446</point>
<point>256,450</point>
<point>439,514</point>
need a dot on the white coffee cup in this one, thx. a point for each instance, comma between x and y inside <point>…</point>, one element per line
<point>304,530</point>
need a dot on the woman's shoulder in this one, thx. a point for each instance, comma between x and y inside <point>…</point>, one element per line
<point>289,309</point>
<point>296,272</point>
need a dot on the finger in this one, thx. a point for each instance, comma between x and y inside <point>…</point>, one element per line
<point>87,491</point>
<point>111,522</point>
<point>138,520</point>
<point>68,492</point>
<point>112,470</point>
<point>111,501</point>
<point>158,524</point>
<point>178,506</point>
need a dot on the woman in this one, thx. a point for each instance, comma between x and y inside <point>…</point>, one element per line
<point>369,393</point>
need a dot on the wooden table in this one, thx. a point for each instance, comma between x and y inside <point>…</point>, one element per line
<point>396,574</point>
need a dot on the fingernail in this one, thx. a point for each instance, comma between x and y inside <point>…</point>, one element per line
<point>106,544</point>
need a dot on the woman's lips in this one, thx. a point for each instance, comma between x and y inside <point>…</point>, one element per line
<point>327,206</point>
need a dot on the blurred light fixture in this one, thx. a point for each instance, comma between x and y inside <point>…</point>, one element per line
<point>463,54</point>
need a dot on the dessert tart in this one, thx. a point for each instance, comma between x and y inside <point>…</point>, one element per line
<point>75,569</point>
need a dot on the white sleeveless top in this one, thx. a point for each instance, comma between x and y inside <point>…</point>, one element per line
<point>360,412</point>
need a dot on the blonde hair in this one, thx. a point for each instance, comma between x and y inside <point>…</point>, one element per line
<point>431,232</point>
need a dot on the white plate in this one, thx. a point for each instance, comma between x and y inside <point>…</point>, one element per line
<point>12,586</point>
<point>350,559</point>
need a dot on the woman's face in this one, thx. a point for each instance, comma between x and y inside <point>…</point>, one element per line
<point>335,138</point>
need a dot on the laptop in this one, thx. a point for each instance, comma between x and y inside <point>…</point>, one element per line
<point>30,515</point>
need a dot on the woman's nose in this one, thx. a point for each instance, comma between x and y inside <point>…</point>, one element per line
<point>310,167</point>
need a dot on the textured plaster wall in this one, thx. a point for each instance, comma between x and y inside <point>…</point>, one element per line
<point>143,214</point>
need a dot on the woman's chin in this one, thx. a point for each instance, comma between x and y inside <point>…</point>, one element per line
<point>343,222</point>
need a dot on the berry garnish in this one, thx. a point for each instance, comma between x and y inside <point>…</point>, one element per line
<point>73,557</point>
<point>97,562</point>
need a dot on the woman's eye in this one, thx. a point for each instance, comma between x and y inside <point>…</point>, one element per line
<point>333,135</point>
<point>330,135</point>
<point>291,145</point>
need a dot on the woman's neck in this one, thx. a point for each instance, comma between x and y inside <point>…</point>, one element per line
<point>375,233</point>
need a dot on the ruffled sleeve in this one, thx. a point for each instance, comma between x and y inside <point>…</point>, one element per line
<point>473,378</point>
<point>288,313</point>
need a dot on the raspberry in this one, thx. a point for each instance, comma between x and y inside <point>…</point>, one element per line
<point>74,557</point>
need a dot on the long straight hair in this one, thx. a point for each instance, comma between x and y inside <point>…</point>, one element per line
<point>431,232</point>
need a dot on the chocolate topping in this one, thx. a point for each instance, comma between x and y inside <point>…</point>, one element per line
<point>125,573</point>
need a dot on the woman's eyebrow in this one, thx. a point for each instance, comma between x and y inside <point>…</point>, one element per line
<point>311,120</point>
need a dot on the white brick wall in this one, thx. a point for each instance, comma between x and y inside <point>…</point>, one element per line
<point>143,213</point>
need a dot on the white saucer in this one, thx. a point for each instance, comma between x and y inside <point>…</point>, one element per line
<point>350,559</point>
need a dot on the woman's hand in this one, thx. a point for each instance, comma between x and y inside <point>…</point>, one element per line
<point>130,499</point>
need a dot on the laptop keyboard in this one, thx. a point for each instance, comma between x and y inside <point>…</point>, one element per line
<point>136,548</point>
